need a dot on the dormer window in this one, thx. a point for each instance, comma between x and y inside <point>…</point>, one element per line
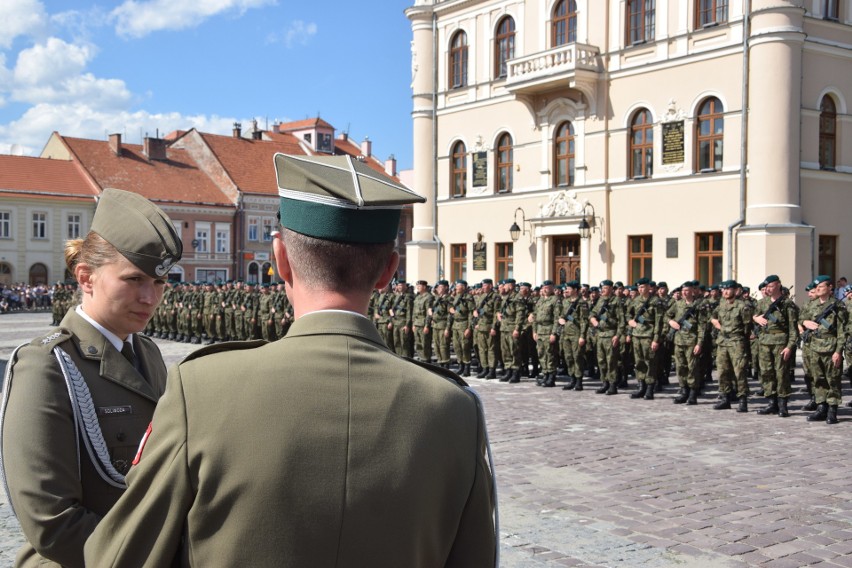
<point>309,138</point>
<point>324,142</point>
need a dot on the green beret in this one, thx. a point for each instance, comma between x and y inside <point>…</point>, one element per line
<point>662,284</point>
<point>525,284</point>
<point>547,283</point>
<point>141,232</point>
<point>820,279</point>
<point>746,289</point>
<point>643,281</point>
<point>594,289</point>
<point>714,287</point>
<point>762,285</point>
<point>772,278</point>
<point>509,281</point>
<point>422,283</point>
<point>652,284</point>
<point>487,281</point>
<point>809,287</point>
<point>337,198</point>
<point>606,283</point>
<point>462,282</point>
<point>442,283</point>
<point>727,284</point>
<point>477,286</point>
<point>572,284</point>
<point>619,284</point>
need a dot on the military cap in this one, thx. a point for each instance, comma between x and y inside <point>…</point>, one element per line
<point>727,284</point>
<point>772,278</point>
<point>462,282</point>
<point>652,284</point>
<point>820,279</point>
<point>662,284</point>
<point>422,283</point>
<point>762,285</point>
<point>547,283</point>
<point>619,284</point>
<point>337,198</point>
<point>606,283</point>
<point>702,287</point>
<point>509,281</point>
<point>442,283</point>
<point>487,281</point>
<point>525,284</point>
<point>714,287</point>
<point>746,289</point>
<point>139,230</point>
<point>809,287</point>
<point>643,281</point>
<point>477,286</point>
<point>572,284</point>
<point>594,289</point>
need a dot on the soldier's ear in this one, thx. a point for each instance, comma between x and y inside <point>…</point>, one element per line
<point>389,271</point>
<point>282,262</point>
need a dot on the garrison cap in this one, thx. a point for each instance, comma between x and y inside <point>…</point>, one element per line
<point>337,198</point>
<point>139,230</point>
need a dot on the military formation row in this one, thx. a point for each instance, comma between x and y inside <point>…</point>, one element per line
<point>611,332</point>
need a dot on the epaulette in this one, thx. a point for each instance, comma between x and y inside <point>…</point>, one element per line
<point>52,340</point>
<point>446,373</point>
<point>222,347</point>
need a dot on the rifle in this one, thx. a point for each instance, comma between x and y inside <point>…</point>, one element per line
<point>682,322</point>
<point>568,316</point>
<point>602,317</point>
<point>638,318</point>
<point>806,336</point>
<point>767,315</point>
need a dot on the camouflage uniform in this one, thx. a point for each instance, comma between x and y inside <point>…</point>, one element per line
<point>734,316</point>
<point>607,311</point>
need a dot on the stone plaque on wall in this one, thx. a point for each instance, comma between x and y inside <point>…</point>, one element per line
<point>480,257</point>
<point>673,142</point>
<point>671,248</point>
<point>480,169</point>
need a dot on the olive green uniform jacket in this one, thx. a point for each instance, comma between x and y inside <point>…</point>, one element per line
<point>336,453</point>
<point>58,499</point>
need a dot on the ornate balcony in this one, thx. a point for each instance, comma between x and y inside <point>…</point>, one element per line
<point>573,65</point>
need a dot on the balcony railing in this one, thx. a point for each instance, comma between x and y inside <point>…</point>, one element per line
<point>546,69</point>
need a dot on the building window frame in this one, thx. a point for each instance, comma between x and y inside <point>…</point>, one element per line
<point>458,170</point>
<point>827,133</point>
<point>458,262</point>
<point>504,261</point>
<point>74,225</point>
<point>641,145</point>
<point>564,155</point>
<point>458,60</point>
<point>504,47</point>
<point>39,225</point>
<point>710,13</point>
<point>831,10</point>
<point>5,224</point>
<point>268,224</point>
<point>827,256</point>
<point>709,255</point>
<point>641,21</point>
<point>710,136</point>
<point>202,236</point>
<point>223,238</point>
<point>504,158</point>
<point>253,229</point>
<point>640,257</point>
<point>563,23</point>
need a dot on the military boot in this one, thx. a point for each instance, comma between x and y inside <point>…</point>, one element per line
<point>482,374</point>
<point>572,382</point>
<point>492,373</point>
<point>507,375</point>
<point>682,396</point>
<point>692,399</point>
<point>550,379</point>
<point>811,405</point>
<point>516,376</point>
<point>821,413</point>
<point>641,390</point>
<point>603,388</point>
<point>723,404</point>
<point>771,408</point>
<point>613,388</point>
<point>465,370</point>
<point>832,415</point>
<point>579,385</point>
<point>743,407</point>
<point>782,408</point>
<point>649,392</point>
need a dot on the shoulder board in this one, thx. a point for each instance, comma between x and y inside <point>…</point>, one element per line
<point>53,339</point>
<point>222,347</point>
<point>446,373</point>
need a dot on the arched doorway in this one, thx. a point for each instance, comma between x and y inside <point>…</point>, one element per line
<point>38,274</point>
<point>253,273</point>
<point>566,258</point>
<point>5,273</point>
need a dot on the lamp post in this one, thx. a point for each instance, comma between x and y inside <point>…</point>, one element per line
<point>515,230</point>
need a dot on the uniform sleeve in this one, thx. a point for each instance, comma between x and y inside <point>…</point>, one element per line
<point>476,542</point>
<point>146,525</point>
<point>40,459</point>
<point>792,327</point>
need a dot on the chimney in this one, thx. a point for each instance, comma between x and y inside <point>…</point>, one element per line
<point>343,136</point>
<point>276,127</point>
<point>238,130</point>
<point>154,148</point>
<point>390,166</point>
<point>255,133</point>
<point>115,143</point>
<point>367,147</point>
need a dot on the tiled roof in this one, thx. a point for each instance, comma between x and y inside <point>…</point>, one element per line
<point>249,162</point>
<point>346,147</point>
<point>44,176</point>
<point>303,124</point>
<point>176,179</point>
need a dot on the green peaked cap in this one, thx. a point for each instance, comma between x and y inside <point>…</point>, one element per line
<point>337,198</point>
<point>140,230</point>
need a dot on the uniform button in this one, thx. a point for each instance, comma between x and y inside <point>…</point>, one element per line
<point>92,349</point>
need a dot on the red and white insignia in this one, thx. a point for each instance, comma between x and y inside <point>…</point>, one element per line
<point>142,445</point>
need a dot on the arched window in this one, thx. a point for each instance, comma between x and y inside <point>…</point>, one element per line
<point>458,171</point>
<point>504,163</point>
<point>458,60</point>
<point>641,145</point>
<point>564,155</point>
<point>827,133</point>
<point>504,46</point>
<point>253,273</point>
<point>564,23</point>
<point>640,21</point>
<point>710,135</point>
<point>38,274</point>
<point>266,273</point>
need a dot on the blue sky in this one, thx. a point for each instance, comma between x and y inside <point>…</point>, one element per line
<point>87,68</point>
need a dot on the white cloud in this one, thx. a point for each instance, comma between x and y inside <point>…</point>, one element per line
<point>52,61</point>
<point>18,18</point>
<point>299,32</point>
<point>140,18</point>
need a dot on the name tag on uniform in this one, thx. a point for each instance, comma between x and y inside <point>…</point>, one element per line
<point>113,410</point>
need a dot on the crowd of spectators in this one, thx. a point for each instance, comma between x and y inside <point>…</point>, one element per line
<point>20,296</point>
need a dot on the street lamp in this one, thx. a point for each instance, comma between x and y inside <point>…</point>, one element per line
<point>586,227</point>
<point>515,230</point>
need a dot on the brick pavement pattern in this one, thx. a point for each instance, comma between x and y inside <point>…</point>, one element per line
<point>593,480</point>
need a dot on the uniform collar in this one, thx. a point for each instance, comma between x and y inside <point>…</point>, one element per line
<point>111,337</point>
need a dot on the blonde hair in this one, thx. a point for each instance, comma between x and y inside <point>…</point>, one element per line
<point>94,251</point>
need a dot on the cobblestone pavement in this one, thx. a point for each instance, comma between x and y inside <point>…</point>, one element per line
<point>594,480</point>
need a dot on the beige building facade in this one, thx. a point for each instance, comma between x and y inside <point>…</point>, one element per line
<point>612,134</point>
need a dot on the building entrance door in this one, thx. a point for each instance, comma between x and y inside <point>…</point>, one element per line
<point>566,258</point>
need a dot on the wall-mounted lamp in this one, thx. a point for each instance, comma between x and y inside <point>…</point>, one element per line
<point>587,223</point>
<point>515,230</point>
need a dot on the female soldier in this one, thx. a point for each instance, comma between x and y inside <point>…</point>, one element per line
<point>77,402</point>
